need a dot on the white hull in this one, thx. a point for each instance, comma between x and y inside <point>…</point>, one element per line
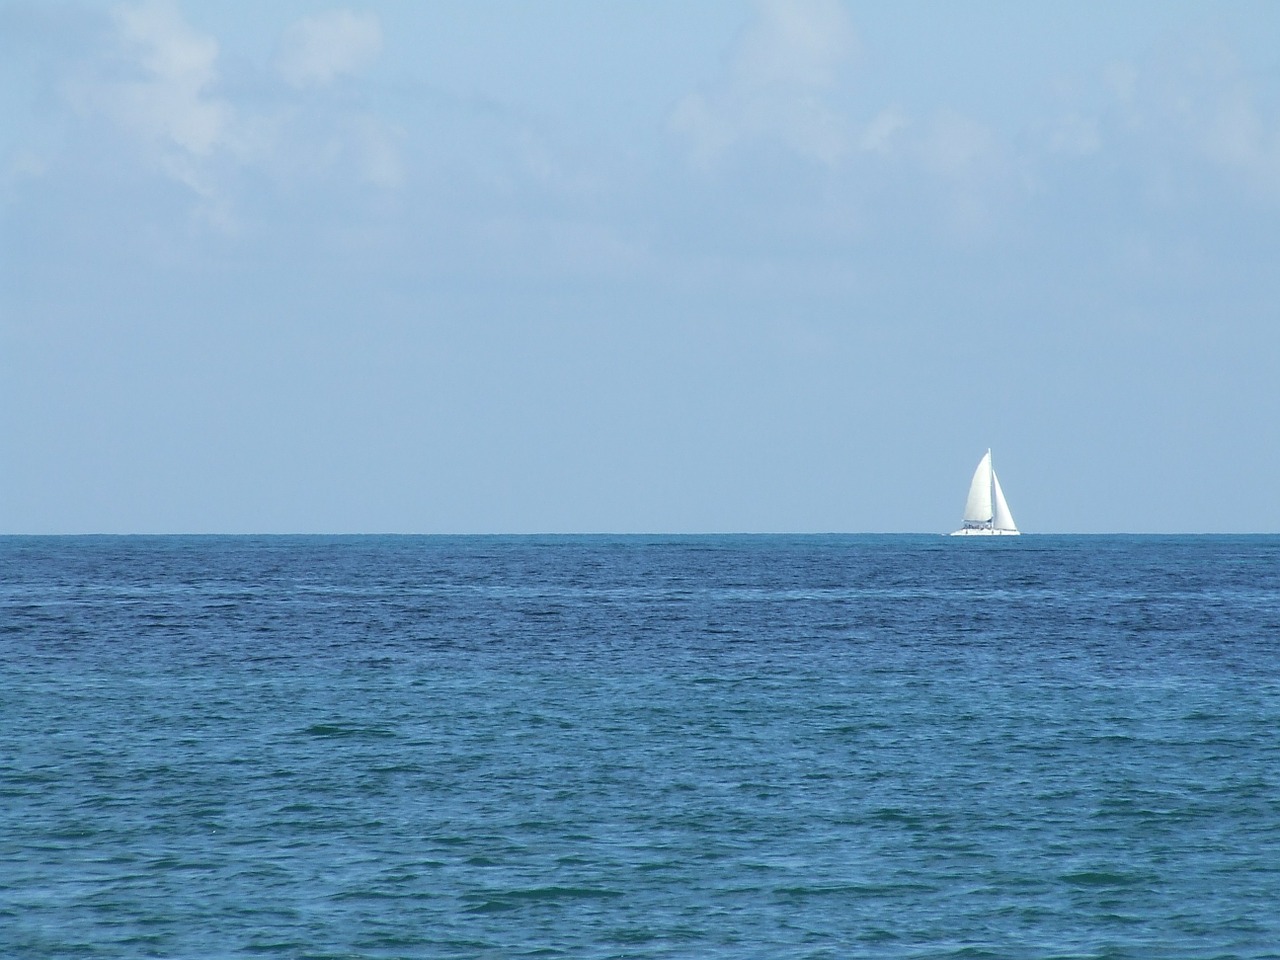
<point>971,532</point>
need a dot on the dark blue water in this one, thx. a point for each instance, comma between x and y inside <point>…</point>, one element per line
<point>595,747</point>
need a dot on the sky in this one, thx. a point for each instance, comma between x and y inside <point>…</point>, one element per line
<point>505,267</point>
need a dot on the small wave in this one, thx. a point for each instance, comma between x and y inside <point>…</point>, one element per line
<point>514,899</point>
<point>1101,878</point>
<point>341,730</point>
<point>857,889</point>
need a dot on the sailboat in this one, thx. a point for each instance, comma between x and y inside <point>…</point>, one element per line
<point>986,513</point>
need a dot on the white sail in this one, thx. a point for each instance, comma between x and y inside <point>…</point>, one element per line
<point>1002,519</point>
<point>977,509</point>
<point>986,512</point>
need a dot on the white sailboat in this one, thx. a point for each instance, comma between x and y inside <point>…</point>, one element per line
<point>986,513</point>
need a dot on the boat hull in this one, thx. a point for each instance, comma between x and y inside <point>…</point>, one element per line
<point>984,532</point>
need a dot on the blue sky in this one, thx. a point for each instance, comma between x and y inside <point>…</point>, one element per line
<point>514,267</point>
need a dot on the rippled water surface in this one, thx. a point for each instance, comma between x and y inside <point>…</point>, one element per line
<point>746,747</point>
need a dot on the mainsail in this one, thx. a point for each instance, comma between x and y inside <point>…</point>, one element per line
<point>977,509</point>
<point>985,510</point>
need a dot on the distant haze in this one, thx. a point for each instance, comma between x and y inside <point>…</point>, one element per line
<point>641,266</point>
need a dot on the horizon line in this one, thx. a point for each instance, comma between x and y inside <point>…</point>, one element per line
<point>638,533</point>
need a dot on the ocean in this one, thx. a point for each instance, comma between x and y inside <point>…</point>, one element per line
<point>640,746</point>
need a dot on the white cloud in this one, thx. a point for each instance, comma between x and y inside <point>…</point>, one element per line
<point>1195,101</point>
<point>158,85</point>
<point>170,105</point>
<point>957,147</point>
<point>158,82</point>
<point>380,162</point>
<point>317,50</point>
<point>783,68</point>
<point>796,43</point>
<point>1236,137</point>
<point>881,133</point>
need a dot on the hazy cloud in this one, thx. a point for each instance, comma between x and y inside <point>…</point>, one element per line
<point>883,131</point>
<point>170,104</point>
<point>158,80</point>
<point>782,69</point>
<point>383,164</point>
<point>1075,135</point>
<point>1233,134</point>
<point>957,146</point>
<point>317,50</point>
<point>800,44</point>
<point>158,85</point>
<point>1194,102</point>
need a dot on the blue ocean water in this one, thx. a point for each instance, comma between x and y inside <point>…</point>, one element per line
<point>591,747</point>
